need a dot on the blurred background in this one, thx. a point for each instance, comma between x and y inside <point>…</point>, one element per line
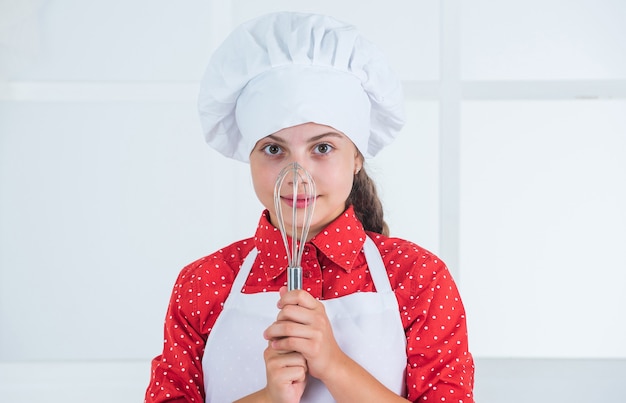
<point>512,167</point>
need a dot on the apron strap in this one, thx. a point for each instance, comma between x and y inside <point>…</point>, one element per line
<point>244,272</point>
<point>376,266</point>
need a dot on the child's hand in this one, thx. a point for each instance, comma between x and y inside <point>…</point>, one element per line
<point>286,375</point>
<point>303,327</point>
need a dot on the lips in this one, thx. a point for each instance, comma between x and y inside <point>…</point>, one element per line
<point>299,201</point>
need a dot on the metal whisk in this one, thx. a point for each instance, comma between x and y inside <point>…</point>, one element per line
<point>294,194</point>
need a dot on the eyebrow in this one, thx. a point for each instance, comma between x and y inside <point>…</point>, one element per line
<point>311,140</point>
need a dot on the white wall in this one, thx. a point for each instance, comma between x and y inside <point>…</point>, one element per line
<point>515,137</point>
<point>543,178</point>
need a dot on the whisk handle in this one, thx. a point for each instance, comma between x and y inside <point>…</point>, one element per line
<point>294,278</point>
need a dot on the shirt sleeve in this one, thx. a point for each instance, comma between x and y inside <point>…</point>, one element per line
<point>440,366</point>
<point>196,301</point>
<point>177,372</point>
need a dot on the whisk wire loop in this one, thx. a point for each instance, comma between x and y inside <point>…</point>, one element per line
<point>302,203</point>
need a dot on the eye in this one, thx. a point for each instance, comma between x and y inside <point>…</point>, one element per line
<point>272,149</point>
<point>323,148</point>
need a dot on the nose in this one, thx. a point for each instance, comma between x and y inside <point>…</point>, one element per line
<point>297,177</point>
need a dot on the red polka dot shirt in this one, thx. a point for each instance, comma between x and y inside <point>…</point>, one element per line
<point>439,365</point>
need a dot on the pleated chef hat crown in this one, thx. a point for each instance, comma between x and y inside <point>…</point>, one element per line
<point>285,69</point>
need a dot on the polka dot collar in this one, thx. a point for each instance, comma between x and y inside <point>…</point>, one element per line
<point>341,242</point>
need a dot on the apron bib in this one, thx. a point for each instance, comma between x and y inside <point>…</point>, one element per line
<point>366,325</point>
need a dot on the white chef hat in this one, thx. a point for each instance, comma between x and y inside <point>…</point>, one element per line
<point>284,69</point>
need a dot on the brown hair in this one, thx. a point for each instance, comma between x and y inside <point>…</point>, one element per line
<point>367,206</point>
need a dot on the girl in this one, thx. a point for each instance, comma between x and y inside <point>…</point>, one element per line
<point>378,319</point>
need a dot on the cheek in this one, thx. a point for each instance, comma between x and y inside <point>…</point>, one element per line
<point>263,182</point>
<point>336,183</point>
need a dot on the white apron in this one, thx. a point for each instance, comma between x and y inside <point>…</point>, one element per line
<point>366,325</point>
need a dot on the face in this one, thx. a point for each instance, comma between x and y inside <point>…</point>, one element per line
<point>327,154</point>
